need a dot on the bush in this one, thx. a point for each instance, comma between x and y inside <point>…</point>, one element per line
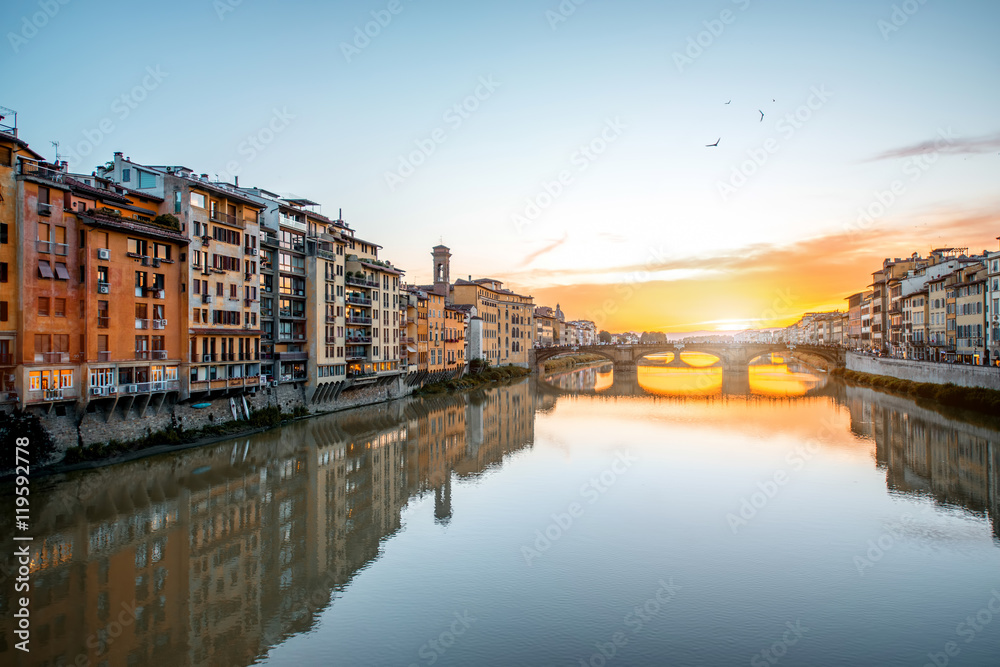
<point>22,424</point>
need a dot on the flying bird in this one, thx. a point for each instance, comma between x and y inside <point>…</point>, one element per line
<point>729,101</point>
<point>715,144</point>
<point>761,115</point>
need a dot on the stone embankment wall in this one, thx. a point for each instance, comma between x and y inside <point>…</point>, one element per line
<point>71,426</point>
<point>926,371</point>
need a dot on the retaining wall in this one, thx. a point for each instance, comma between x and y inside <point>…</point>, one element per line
<point>926,371</point>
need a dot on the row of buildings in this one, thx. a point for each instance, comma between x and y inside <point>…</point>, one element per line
<point>154,281</point>
<point>942,307</point>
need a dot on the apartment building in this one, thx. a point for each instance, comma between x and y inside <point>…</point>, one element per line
<point>12,150</point>
<point>222,308</point>
<point>992,355</point>
<point>970,315</point>
<point>546,326</point>
<point>372,315</point>
<point>915,331</point>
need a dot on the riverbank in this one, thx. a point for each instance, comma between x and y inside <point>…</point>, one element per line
<point>564,363</point>
<point>474,380</point>
<point>977,399</point>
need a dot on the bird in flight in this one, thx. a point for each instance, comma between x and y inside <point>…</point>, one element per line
<point>715,144</point>
<point>729,101</point>
<point>761,115</point>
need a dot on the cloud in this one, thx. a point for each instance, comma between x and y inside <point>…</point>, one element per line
<point>531,257</point>
<point>971,146</point>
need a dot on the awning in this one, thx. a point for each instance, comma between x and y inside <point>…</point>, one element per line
<point>61,272</point>
<point>44,269</point>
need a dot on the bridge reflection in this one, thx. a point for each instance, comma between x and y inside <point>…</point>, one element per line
<point>764,378</point>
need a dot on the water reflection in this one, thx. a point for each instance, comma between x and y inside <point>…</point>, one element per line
<point>213,556</point>
<point>210,556</point>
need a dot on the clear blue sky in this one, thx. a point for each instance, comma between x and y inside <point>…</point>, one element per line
<point>652,199</point>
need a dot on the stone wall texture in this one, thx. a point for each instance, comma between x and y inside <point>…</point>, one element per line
<point>127,420</point>
<point>926,371</point>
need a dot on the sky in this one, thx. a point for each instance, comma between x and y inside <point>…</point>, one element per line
<point>558,146</point>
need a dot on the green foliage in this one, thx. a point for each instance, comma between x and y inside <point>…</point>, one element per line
<point>979,399</point>
<point>572,361</point>
<point>471,380</point>
<point>167,220</point>
<point>21,424</point>
<point>604,337</point>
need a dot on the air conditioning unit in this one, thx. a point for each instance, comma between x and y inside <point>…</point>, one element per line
<point>160,294</point>
<point>156,261</point>
<point>206,298</point>
<point>132,388</point>
<point>103,253</point>
<point>97,391</point>
<point>253,251</point>
<point>103,289</point>
<point>145,261</point>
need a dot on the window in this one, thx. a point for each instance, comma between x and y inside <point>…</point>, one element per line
<point>61,272</point>
<point>3,230</point>
<point>147,179</point>
<point>177,201</point>
<point>3,272</point>
<point>3,311</point>
<point>59,309</point>
<point>43,306</point>
<point>198,199</point>
<point>5,156</point>
<point>126,175</point>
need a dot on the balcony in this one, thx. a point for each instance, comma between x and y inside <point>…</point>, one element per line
<point>6,359</point>
<point>293,356</point>
<point>53,357</point>
<point>160,355</point>
<point>102,322</point>
<point>359,340</point>
<point>207,358</point>
<point>43,246</point>
<point>359,300</point>
<point>226,218</point>
<point>142,324</point>
<point>360,282</point>
<point>149,387</point>
<point>142,355</point>
<point>44,209</point>
<point>356,319</point>
<point>159,324</point>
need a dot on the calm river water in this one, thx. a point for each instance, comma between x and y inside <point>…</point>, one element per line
<point>668,517</point>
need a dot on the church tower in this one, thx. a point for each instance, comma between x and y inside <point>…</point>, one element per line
<point>442,271</point>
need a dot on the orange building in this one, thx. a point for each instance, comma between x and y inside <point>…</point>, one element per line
<point>11,149</point>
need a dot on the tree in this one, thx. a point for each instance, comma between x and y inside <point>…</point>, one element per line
<point>604,337</point>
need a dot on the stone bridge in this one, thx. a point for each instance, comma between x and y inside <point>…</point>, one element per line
<point>734,358</point>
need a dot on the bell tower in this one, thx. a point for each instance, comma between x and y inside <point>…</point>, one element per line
<point>442,271</point>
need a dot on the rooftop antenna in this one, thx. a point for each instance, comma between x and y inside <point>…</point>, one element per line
<point>56,144</point>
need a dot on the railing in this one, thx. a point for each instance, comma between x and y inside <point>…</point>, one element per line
<point>53,394</point>
<point>142,355</point>
<point>53,357</point>
<point>104,355</point>
<point>219,216</point>
<point>160,354</point>
<point>60,248</point>
<point>360,282</point>
<point>28,168</point>
<point>359,339</point>
<point>294,356</point>
<point>141,324</point>
<point>354,319</point>
<point>6,359</point>
<point>44,209</point>
<point>149,387</point>
<point>361,301</point>
<point>43,246</point>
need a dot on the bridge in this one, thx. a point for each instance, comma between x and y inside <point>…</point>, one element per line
<point>734,359</point>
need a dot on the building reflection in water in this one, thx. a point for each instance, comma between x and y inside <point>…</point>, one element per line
<point>210,556</point>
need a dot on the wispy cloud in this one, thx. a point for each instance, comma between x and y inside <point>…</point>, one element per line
<point>531,257</point>
<point>968,146</point>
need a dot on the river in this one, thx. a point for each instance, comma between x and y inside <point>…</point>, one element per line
<point>671,516</point>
